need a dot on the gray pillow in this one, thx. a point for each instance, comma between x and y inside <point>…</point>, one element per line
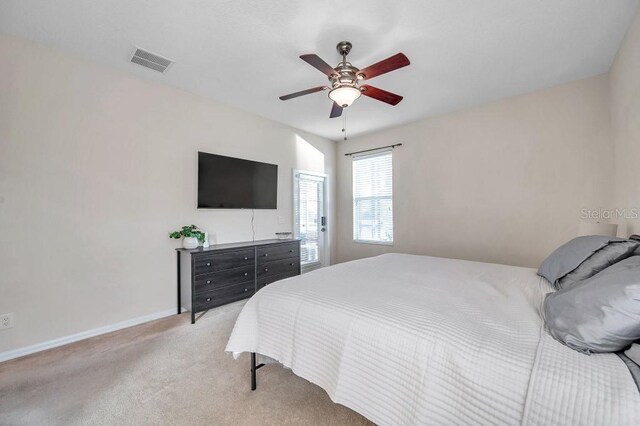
<point>601,259</point>
<point>634,369</point>
<point>633,353</point>
<point>569,256</point>
<point>600,314</point>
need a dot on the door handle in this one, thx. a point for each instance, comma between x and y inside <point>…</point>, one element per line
<point>322,229</point>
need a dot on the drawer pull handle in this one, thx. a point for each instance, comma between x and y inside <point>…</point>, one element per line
<point>208,281</point>
<point>266,269</point>
<point>291,264</point>
<point>246,289</point>
<point>246,273</point>
<point>208,263</point>
<point>246,258</point>
<point>291,251</point>
<point>208,299</point>
<point>266,254</point>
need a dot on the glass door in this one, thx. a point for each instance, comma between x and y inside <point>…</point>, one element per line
<point>310,222</point>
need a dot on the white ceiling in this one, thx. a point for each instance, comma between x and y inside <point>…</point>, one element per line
<point>245,53</point>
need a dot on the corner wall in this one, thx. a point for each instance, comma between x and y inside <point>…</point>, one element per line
<point>625,119</point>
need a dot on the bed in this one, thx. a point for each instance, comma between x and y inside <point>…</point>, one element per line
<point>405,339</point>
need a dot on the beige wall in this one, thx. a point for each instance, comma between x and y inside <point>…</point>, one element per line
<point>96,167</point>
<point>503,183</point>
<point>625,118</point>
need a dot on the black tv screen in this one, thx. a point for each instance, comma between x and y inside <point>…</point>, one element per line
<point>234,183</point>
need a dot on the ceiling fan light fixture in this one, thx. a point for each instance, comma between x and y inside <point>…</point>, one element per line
<point>344,96</point>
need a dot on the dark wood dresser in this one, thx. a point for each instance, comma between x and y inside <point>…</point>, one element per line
<point>225,273</point>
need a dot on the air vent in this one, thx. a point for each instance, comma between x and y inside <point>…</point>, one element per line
<point>149,60</point>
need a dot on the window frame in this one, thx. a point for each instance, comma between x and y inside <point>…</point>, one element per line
<point>324,242</point>
<point>355,200</point>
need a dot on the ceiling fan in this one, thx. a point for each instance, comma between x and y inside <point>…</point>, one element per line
<point>345,79</point>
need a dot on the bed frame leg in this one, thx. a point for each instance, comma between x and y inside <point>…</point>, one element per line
<point>254,367</point>
<point>253,371</point>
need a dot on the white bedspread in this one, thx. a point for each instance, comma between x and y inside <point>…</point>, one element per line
<point>407,339</point>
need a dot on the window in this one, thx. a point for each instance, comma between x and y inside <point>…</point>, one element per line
<point>373,198</point>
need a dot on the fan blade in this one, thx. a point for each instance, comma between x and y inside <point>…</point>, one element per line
<point>317,62</point>
<point>302,93</point>
<point>336,111</point>
<point>386,65</point>
<point>381,95</point>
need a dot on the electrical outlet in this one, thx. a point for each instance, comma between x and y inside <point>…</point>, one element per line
<point>6,321</point>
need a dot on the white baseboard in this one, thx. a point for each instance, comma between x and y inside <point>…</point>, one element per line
<point>27,350</point>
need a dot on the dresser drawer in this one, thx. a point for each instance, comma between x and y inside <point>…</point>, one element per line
<point>208,282</point>
<point>265,280</point>
<point>214,262</point>
<point>279,267</point>
<point>226,273</point>
<point>278,252</point>
<point>220,296</point>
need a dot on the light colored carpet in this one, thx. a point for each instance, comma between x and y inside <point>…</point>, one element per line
<point>164,372</point>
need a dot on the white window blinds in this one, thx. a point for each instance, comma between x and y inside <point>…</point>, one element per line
<point>373,198</point>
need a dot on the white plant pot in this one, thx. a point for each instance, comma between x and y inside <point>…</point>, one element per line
<point>190,242</point>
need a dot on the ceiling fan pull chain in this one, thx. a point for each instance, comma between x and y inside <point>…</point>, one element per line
<point>344,124</point>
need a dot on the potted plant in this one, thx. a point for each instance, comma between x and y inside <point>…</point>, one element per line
<point>191,236</point>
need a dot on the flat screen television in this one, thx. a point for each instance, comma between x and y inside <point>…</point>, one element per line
<point>234,183</point>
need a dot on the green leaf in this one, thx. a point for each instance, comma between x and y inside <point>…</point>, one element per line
<point>188,231</point>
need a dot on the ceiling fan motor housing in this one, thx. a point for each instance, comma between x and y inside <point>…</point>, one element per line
<point>346,74</point>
